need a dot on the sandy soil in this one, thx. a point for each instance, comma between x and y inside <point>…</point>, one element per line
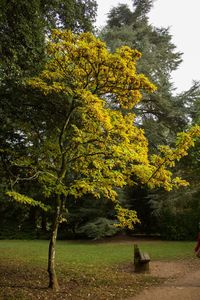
<point>182,281</point>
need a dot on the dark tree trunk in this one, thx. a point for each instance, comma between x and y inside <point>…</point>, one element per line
<point>53,282</point>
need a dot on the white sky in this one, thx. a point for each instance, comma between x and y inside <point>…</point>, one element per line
<point>183,18</point>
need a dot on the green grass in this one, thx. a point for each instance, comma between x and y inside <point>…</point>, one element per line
<point>102,270</point>
<point>91,253</point>
<point>167,250</point>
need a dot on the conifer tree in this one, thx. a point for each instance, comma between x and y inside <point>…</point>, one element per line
<point>159,59</point>
<point>165,112</point>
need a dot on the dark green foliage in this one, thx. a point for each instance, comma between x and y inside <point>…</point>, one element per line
<point>88,218</point>
<point>24,26</point>
<point>99,228</point>
<point>16,221</point>
<point>162,115</point>
<point>142,8</point>
<point>76,15</point>
<point>177,214</point>
<point>120,16</point>
<point>22,221</point>
<point>22,36</point>
<point>159,58</point>
<point>138,199</point>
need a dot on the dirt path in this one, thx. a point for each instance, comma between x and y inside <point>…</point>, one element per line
<point>182,282</point>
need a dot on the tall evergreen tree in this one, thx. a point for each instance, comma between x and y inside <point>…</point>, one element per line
<point>24,24</point>
<point>159,59</point>
<point>163,113</point>
<point>178,212</point>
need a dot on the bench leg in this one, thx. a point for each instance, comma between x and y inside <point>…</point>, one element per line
<point>141,267</point>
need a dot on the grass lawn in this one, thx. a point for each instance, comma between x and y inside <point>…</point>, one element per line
<point>86,270</point>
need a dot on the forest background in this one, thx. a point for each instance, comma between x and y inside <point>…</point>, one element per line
<point>25,29</point>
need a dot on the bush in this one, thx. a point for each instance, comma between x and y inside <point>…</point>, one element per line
<point>99,228</point>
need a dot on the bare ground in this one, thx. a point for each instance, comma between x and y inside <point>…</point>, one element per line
<point>173,280</point>
<point>182,281</point>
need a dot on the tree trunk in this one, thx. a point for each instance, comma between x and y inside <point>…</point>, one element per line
<point>53,282</point>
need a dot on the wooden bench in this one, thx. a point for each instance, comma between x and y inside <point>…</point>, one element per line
<point>141,260</point>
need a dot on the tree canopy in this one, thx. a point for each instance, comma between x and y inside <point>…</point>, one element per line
<point>89,144</point>
<point>82,119</point>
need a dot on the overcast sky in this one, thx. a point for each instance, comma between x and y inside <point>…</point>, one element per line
<point>183,19</point>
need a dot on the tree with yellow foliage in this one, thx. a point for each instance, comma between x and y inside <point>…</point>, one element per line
<point>94,147</point>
